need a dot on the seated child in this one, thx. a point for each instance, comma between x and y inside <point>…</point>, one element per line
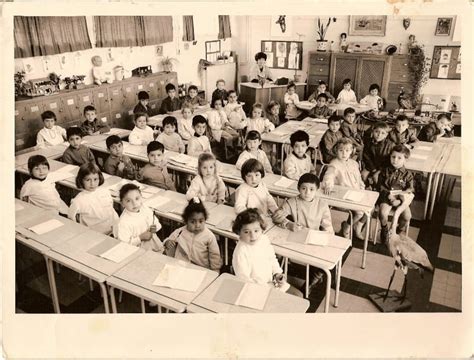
<point>138,224</point>
<point>93,206</point>
<point>253,193</point>
<point>309,211</point>
<point>207,185</point>
<point>117,163</point>
<point>199,142</point>
<point>39,190</point>
<point>93,126</point>
<point>254,258</point>
<point>376,153</point>
<point>442,127</point>
<point>155,172</point>
<point>291,99</point>
<point>298,163</point>
<point>51,134</point>
<point>220,92</point>
<point>273,113</point>
<point>330,138</point>
<point>395,185</point>
<point>194,242</point>
<point>322,89</point>
<point>185,125</point>
<point>346,95</point>
<point>234,111</point>
<point>171,102</point>
<point>193,98</point>
<point>142,134</point>
<point>321,110</point>
<point>252,150</point>
<point>219,124</point>
<point>345,171</point>
<point>402,133</point>
<point>76,153</point>
<point>142,106</point>
<point>169,137</point>
<point>373,100</point>
<point>257,122</point>
<point>349,130</point>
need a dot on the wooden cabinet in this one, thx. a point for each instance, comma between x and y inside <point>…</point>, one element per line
<point>319,70</point>
<point>400,80</point>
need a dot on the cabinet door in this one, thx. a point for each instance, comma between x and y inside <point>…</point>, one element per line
<point>55,105</point>
<point>152,87</point>
<point>342,67</point>
<point>101,100</point>
<point>116,98</point>
<point>85,98</point>
<point>30,117</point>
<point>161,84</point>
<point>130,94</point>
<point>72,112</point>
<point>372,71</point>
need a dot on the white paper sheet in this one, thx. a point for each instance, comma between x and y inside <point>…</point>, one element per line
<point>157,202</point>
<point>284,182</point>
<point>18,207</point>
<point>354,196</point>
<point>46,226</point>
<point>284,287</point>
<point>119,252</point>
<point>418,156</point>
<point>68,169</point>
<point>424,148</point>
<point>180,158</point>
<point>181,278</point>
<point>56,176</point>
<point>320,238</point>
<point>253,296</point>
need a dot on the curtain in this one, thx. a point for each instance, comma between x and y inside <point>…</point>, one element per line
<point>188,28</point>
<point>224,27</point>
<point>157,29</point>
<point>119,31</point>
<point>49,35</point>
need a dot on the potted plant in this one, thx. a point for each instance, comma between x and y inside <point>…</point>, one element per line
<point>167,63</point>
<point>56,79</point>
<point>19,78</point>
<point>419,68</point>
<point>322,43</point>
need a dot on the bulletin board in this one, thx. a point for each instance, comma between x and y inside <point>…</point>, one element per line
<point>283,54</point>
<point>446,63</point>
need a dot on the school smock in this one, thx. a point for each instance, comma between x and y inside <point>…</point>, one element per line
<point>344,173</point>
<point>406,137</point>
<point>199,249</point>
<point>90,127</point>
<point>294,167</point>
<point>313,214</point>
<point>326,145</point>
<point>43,193</point>
<point>198,144</point>
<point>156,175</point>
<point>185,128</point>
<point>172,142</point>
<point>139,136</point>
<point>292,112</point>
<point>111,166</point>
<point>259,197</point>
<point>79,156</point>
<point>347,96</point>
<point>211,191</point>
<point>131,224</point>
<point>216,120</point>
<point>261,156</point>
<point>50,137</point>
<point>236,115</point>
<point>257,72</point>
<point>95,208</point>
<point>260,124</point>
<point>256,262</point>
<point>374,102</point>
<point>170,105</point>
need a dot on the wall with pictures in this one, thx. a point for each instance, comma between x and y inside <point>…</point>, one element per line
<point>79,63</point>
<point>303,28</point>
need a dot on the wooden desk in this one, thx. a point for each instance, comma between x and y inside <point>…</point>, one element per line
<point>157,120</point>
<point>277,302</point>
<point>137,278</point>
<point>50,152</point>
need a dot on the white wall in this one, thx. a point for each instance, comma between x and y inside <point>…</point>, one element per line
<point>206,29</point>
<point>257,28</point>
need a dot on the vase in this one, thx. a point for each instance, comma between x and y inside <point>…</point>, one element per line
<point>322,45</point>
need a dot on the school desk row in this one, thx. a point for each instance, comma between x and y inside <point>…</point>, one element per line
<point>170,205</point>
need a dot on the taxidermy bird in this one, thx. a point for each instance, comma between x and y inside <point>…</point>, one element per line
<point>404,100</point>
<point>282,22</point>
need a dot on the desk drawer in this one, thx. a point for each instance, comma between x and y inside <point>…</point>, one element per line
<point>400,64</point>
<point>320,69</point>
<point>317,59</point>
<point>315,79</point>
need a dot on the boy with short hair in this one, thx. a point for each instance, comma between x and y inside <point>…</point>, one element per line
<point>170,139</point>
<point>402,133</point>
<point>117,163</point>
<point>171,102</point>
<point>142,106</point>
<point>330,138</point>
<point>199,143</point>
<point>376,152</point>
<point>142,134</point>
<point>193,98</point>
<point>349,130</point>
<point>297,163</point>
<point>155,173</point>
<point>321,110</point>
<point>441,127</point>
<point>76,153</point>
<point>395,185</point>
<point>220,92</point>
<point>92,126</point>
<point>322,89</point>
<point>51,134</point>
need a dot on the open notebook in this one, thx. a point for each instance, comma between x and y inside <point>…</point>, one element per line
<point>310,237</point>
<point>180,278</point>
<point>240,293</point>
<point>46,226</point>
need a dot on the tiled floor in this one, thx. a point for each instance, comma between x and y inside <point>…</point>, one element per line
<point>450,248</point>
<point>446,289</point>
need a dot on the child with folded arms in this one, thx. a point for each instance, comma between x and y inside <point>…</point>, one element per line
<point>117,163</point>
<point>402,133</point>
<point>252,150</point>
<point>273,113</point>
<point>142,134</point>
<point>199,142</point>
<point>50,134</point>
<point>155,173</point>
<point>330,138</point>
<point>170,139</point>
<point>321,110</point>
<point>193,98</point>
<point>234,111</point>
<point>258,122</point>
<point>298,162</point>
<point>76,153</point>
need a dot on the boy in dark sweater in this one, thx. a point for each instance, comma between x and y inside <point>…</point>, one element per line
<point>442,127</point>
<point>193,98</point>
<point>349,130</point>
<point>220,92</point>
<point>170,103</point>
<point>402,133</point>
<point>117,163</point>
<point>93,126</point>
<point>142,106</point>
<point>330,138</point>
<point>321,110</point>
<point>76,153</point>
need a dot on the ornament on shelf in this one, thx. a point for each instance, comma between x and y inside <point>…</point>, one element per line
<point>406,23</point>
<point>100,73</point>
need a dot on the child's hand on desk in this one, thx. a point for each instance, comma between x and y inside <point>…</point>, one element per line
<point>220,201</point>
<point>279,280</point>
<point>328,189</point>
<point>146,236</point>
<point>294,227</point>
<point>170,245</point>
<point>278,216</point>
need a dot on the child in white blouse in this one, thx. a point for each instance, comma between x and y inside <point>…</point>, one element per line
<point>194,242</point>
<point>51,134</point>
<point>257,122</point>
<point>219,124</point>
<point>39,190</point>
<point>93,206</point>
<point>346,95</point>
<point>373,100</point>
<point>207,185</point>
<point>252,150</point>
<point>234,111</point>
<point>254,193</point>
<point>185,125</point>
<point>291,99</point>
<point>142,134</point>
<point>170,139</point>
<point>254,258</point>
<point>137,224</point>
<point>199,143</point>
<point>298,162</point>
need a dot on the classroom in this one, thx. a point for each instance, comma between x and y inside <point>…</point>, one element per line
<point>237,164</point>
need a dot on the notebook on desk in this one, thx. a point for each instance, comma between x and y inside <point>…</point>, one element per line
<point>310,237</point>
<point>180,278</point>
<point>240,293</point>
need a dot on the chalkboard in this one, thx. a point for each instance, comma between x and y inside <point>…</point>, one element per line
<point>446,63</point>
<point>283,54</point>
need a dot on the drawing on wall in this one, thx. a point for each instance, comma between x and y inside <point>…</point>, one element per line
<point>443,71</point>
<point>28,65</point>
<point>367,25</point>
<point>445,56</point>
<point>458,68</point>
<point>269,61</point>
<point>281,62</point>
<point>281,25</point>
<point>63,61</point>
<point>46,61</point>
<point>267,46</point>
<point>293,56</point>
<point>281,49</point>
<point>443,26</point>
<point>159,50</point>
<point>446,63</point>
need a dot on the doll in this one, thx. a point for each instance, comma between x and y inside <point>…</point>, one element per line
<point>99,73</point>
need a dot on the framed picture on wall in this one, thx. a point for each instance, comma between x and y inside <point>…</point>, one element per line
<point>367,25</point>
<point>443,26</point>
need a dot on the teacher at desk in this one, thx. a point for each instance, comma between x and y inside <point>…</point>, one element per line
<point>260,71</point>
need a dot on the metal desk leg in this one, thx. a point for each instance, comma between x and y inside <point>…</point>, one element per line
<point>366,240</point>
<point>103,290</point>
<point>282,146</point>
<point>226,251</point>
<point>440,186</point>
<point>338,282</point>
<point>142,303</point>
<point>286,266</point>
<point>307,281</point>
<point>428,193</point>
<point>328,290</point>
<point>52,284</point>
<point>112,299</point>
<point>434,192</point>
